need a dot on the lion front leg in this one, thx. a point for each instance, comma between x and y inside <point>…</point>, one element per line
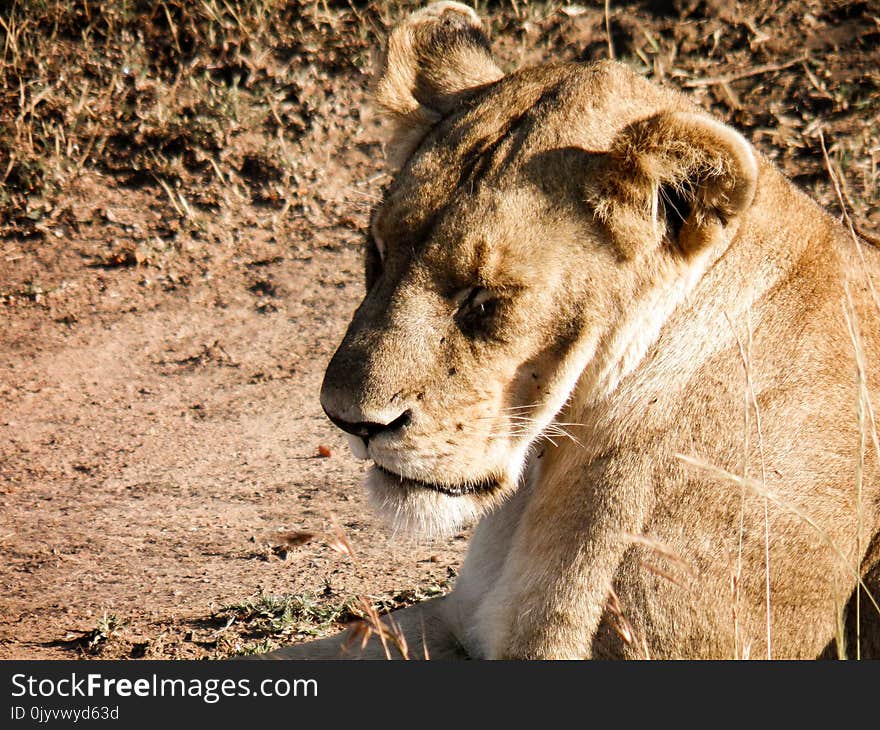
<point>545,616</point>
<point>555,584</point>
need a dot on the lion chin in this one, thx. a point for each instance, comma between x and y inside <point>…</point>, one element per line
<point>423,510</point>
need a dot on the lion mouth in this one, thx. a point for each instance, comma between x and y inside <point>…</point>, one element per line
<point>487,484</point>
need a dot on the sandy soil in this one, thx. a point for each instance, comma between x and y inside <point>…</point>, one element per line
<point>152,447</point>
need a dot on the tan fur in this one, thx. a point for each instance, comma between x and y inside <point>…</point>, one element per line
<point>432,63</point>
<point>632,255</point>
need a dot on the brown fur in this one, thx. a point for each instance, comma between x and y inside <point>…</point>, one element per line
<point>632,255</point>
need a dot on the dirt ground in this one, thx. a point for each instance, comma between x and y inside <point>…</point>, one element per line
<point>183,187</point>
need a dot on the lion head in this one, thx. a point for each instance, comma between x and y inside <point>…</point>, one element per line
<point>540,227</point>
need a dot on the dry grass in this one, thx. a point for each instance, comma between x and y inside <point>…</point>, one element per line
<point>751,404</point>
<point>371,623</point>
<point>865,405</point>
<point>208,99</point>
<point>760,490</point>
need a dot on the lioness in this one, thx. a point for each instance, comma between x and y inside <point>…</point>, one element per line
<point>602,323</point>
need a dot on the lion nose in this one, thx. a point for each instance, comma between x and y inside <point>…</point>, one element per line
<point>369,429</point>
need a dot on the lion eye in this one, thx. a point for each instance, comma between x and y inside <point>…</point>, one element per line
<point>475,307</point>
<point>473,298</point>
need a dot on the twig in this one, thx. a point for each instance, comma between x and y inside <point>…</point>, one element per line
<point>846,217</point>
<point>746,356</point>
<point>661,549</point>
<point>737,578</point>
<point>608,29</point>
<point>756,71</point>
<point>621,624</point>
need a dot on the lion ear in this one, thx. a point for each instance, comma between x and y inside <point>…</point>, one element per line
<point>430,61</point>
<point>676,178</point>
